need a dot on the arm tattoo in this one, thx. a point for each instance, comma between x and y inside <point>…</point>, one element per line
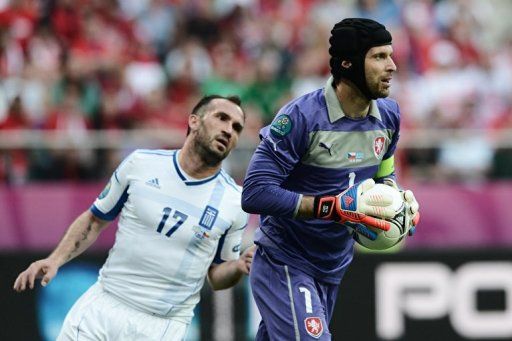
<point>85,234</point>
<point>77,245</point>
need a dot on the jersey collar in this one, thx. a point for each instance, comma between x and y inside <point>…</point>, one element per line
<point>334,106</point>
<point>187,179</point>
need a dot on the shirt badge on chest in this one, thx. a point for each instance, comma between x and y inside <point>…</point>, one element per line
<point>200,232</point>
<point>355,157</point>
<point>378,146</point>
<point>208,217</point>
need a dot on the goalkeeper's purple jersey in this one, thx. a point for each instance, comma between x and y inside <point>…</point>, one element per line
<point>312,148</point>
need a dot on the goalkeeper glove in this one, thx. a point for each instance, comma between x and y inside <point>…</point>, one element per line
<point>412,204</point>
<point>354,206</point>
<point>360,229</point>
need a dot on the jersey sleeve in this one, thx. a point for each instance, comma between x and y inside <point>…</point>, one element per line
<point>110,201</point>
<point>282,146</point>
<point>396,135</point>
<point>387,166</point>
<point>231,240</point>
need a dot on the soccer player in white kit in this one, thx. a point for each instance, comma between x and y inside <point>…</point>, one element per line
<point>180,222</point>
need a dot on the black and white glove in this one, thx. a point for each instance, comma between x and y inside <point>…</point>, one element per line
<point>412,206</point>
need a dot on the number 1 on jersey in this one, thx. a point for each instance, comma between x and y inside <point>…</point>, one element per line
<point>180,219</point>
<point>307,299</point>
<point>351,179</point>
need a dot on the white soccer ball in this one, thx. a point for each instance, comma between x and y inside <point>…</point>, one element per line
<point>399,228</point>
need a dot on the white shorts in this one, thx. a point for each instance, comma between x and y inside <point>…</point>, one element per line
<point>98,315</point>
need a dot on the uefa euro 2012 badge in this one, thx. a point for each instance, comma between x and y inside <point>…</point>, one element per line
<point>281,126</point>
<point>105,191</point>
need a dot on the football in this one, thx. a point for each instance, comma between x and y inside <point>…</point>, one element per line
<point>398,230</point>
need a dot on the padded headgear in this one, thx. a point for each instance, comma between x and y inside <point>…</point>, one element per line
<point>350,40</point>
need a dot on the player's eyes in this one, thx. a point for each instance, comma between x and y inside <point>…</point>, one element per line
<point>238,128</point>
<point>382,56</point>
<point>222,116</point>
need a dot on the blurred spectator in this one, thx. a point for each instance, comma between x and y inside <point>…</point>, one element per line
<point>189,59</point>
<point>86,90</point>
<point>20,18</point>
<point>311,66</point>
<point>200,21</point>
<point>161,114</point>
<point>14,163</point>
<point>70,161</point>
<point>187,66</point>
<point>66,20</point>
<point>157,24</point>
<point>11,54</point>
<point>16,117</point>
<point>267,90</point>
<point>144,74</point>
<point>386,12</point>
<point>228,69</point>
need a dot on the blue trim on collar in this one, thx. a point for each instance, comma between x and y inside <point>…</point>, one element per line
<point>177,167</point>
<point>200,182</point>
<point>190,182</point>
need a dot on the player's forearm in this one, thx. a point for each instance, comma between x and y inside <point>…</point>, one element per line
<point>80,235</point>
<point>268,199</point>
<point>224,275</point>
<point>306,208</point>
<point>262,191</point>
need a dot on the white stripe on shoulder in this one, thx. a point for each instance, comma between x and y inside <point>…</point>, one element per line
<point>225,177</point>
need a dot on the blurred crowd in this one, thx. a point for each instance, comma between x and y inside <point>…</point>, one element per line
<point>79,65</point>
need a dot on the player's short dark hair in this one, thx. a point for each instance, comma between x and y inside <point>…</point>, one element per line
<point>203,102</point>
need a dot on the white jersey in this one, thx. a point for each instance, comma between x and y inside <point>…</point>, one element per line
<point>171,229</point>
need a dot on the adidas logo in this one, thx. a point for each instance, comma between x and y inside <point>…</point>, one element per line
<point>348,200</point>
<point>153,182</point>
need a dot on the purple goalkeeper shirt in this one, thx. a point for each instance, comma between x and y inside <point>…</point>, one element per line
<point>312,148</point>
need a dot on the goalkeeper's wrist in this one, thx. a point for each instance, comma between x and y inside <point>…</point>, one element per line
<point>324,206</point>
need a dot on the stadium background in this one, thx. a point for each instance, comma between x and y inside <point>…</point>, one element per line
<point>84,82</point>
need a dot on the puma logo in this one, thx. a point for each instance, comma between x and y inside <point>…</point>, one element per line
<point>328,148</point>
<point>273,143</point>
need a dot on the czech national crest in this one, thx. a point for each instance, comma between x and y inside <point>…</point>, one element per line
<point>378,146</point>
<point>314,326</point>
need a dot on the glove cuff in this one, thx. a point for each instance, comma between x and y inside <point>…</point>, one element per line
<point>323,207</point>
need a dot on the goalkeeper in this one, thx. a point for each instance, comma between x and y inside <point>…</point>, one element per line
<point>308,178</point>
